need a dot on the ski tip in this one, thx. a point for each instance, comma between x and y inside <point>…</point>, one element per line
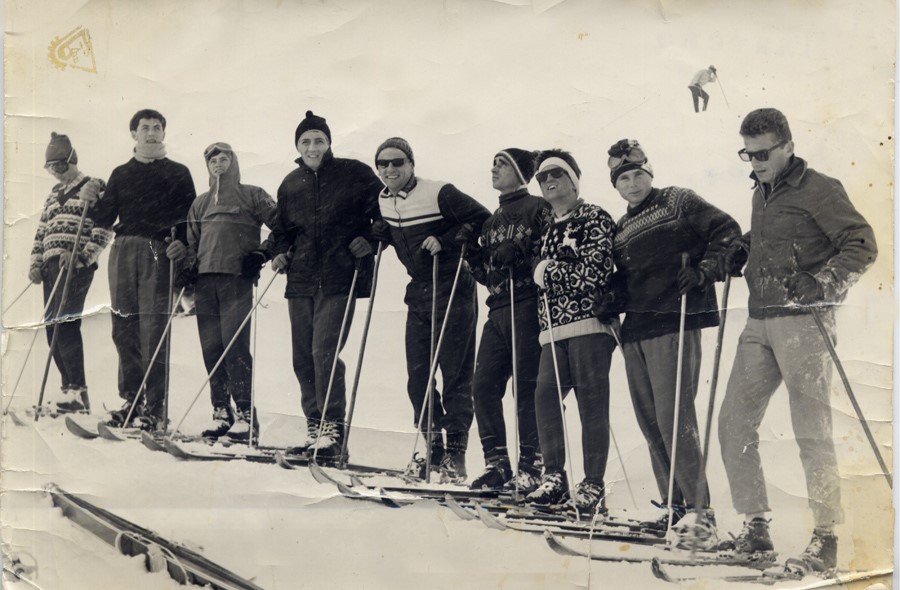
<point>319,474</point>
<point>15,419</point>
<point>107,433</point>
<point>79,430</point>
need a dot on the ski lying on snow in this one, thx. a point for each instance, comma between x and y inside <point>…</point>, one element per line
<point>183,565</point>
<point>770,576</point>
<point>237,452</point>
<point>699,559</point>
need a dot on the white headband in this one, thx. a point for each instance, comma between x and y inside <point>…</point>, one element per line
<point>560,163</point>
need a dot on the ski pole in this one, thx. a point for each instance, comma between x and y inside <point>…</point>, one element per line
<point>19,296</point>
<point>70,270</point>
<point>434,362</point>
<point>515,370</point>
<point>612,434</point>
<point>722,88</point>
<point>342,462</point>
<point>167,333</point>
<point>562,406</point>
<point>255,321</point>
<point>334,363</point>
<point>59,277</point>
<point>713,383</point>
<point>684,262</point>
<point>159,345</point>
<point>429,389</point>
<point>231,342</point>
<point>816,314</point>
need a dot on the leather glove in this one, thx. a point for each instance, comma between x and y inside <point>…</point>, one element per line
<point>381,231</point>
<point>466,235</point>
<point>433,245</point>
<point>689,278</point>
<point>187,276</point>
<point>735,258</point>
<point>35,275</point>
<point>505,256</point>
<point>360,247</point>
<point>252,263</point>
<point>176,250</point>
<point>281,263</point>
<point>608,307</point>
<point>803,288</point>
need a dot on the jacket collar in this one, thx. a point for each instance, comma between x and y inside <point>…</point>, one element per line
<point>792,174</point>
<point>513,196</point>
<point>403,193</point>
<point>326,160</point>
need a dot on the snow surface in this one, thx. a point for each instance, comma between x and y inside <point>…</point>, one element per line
<point>462,80</point>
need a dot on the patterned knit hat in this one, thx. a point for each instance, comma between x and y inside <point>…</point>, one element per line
<point>398,143</point>
<point>522,161</point>
<point>626,155</point>
<point>60,149</point>
<point>312,122</point>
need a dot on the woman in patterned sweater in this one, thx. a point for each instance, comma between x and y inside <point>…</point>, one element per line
<point>50,254</point>
<point>573,271</point>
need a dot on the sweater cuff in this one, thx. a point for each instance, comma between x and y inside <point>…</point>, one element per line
<point>539,269</point>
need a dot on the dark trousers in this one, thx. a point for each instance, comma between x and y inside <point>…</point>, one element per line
<point>583,366</point>
<point>651,367</point>
<point>222,302</point>
<point>493,369</point>
<point>697,93</point>
<point>315,333</point>
<point>68,354</point>
<point>452,408</point>
<point>139,288</point>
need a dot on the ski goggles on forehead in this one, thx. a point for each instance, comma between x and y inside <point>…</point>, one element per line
<point>216,148</point>
<point>634,154</point>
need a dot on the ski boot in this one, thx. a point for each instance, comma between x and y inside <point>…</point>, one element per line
<point>73,401</point>
<point>496,474</point>
<point>554,489</point>
<point>222,420</point>
<point>695,531</point>
<point>590,497</point>
<point>819,557</point>
<point>327,449</point>
<point>753,543</point>
<point>240,430</point>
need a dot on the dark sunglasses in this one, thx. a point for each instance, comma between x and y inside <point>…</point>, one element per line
<point>549,173</point>
<point>759,156</point>
<point>59,167</point>
<point>397,162</point>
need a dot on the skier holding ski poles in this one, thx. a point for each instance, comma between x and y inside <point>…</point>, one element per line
<point>50,254</point>
<point>510,240</point>
<point>427,222</point>
<point>148,195</point>
<point>650,284</point>
<point>326,207</point>
<point>224,252</point>
<point>806,247</point>
<point>572,273</point>
<point>704,76</point>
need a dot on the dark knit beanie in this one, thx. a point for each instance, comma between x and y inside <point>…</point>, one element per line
<point>60,149</point>
<point>399,143</point>
<point>522,160</point>
<point>312,122</point>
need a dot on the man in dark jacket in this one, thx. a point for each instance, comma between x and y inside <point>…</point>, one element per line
<point>422,220</point>
<point>807,246</point>
<point>510,241</point>
<point>325,212</point>
<point>149,195</point>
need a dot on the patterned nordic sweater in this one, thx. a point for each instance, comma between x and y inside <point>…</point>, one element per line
<point>59,223</point>
<point>575,269</point>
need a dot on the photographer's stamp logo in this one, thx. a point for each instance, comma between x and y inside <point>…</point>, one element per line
<point>73,50</point>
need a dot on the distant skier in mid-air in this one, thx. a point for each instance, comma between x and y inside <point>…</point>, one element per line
<point>704,76</point>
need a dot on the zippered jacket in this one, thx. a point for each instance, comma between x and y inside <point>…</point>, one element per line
<point>804,222</point>
<point>319,214</point>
